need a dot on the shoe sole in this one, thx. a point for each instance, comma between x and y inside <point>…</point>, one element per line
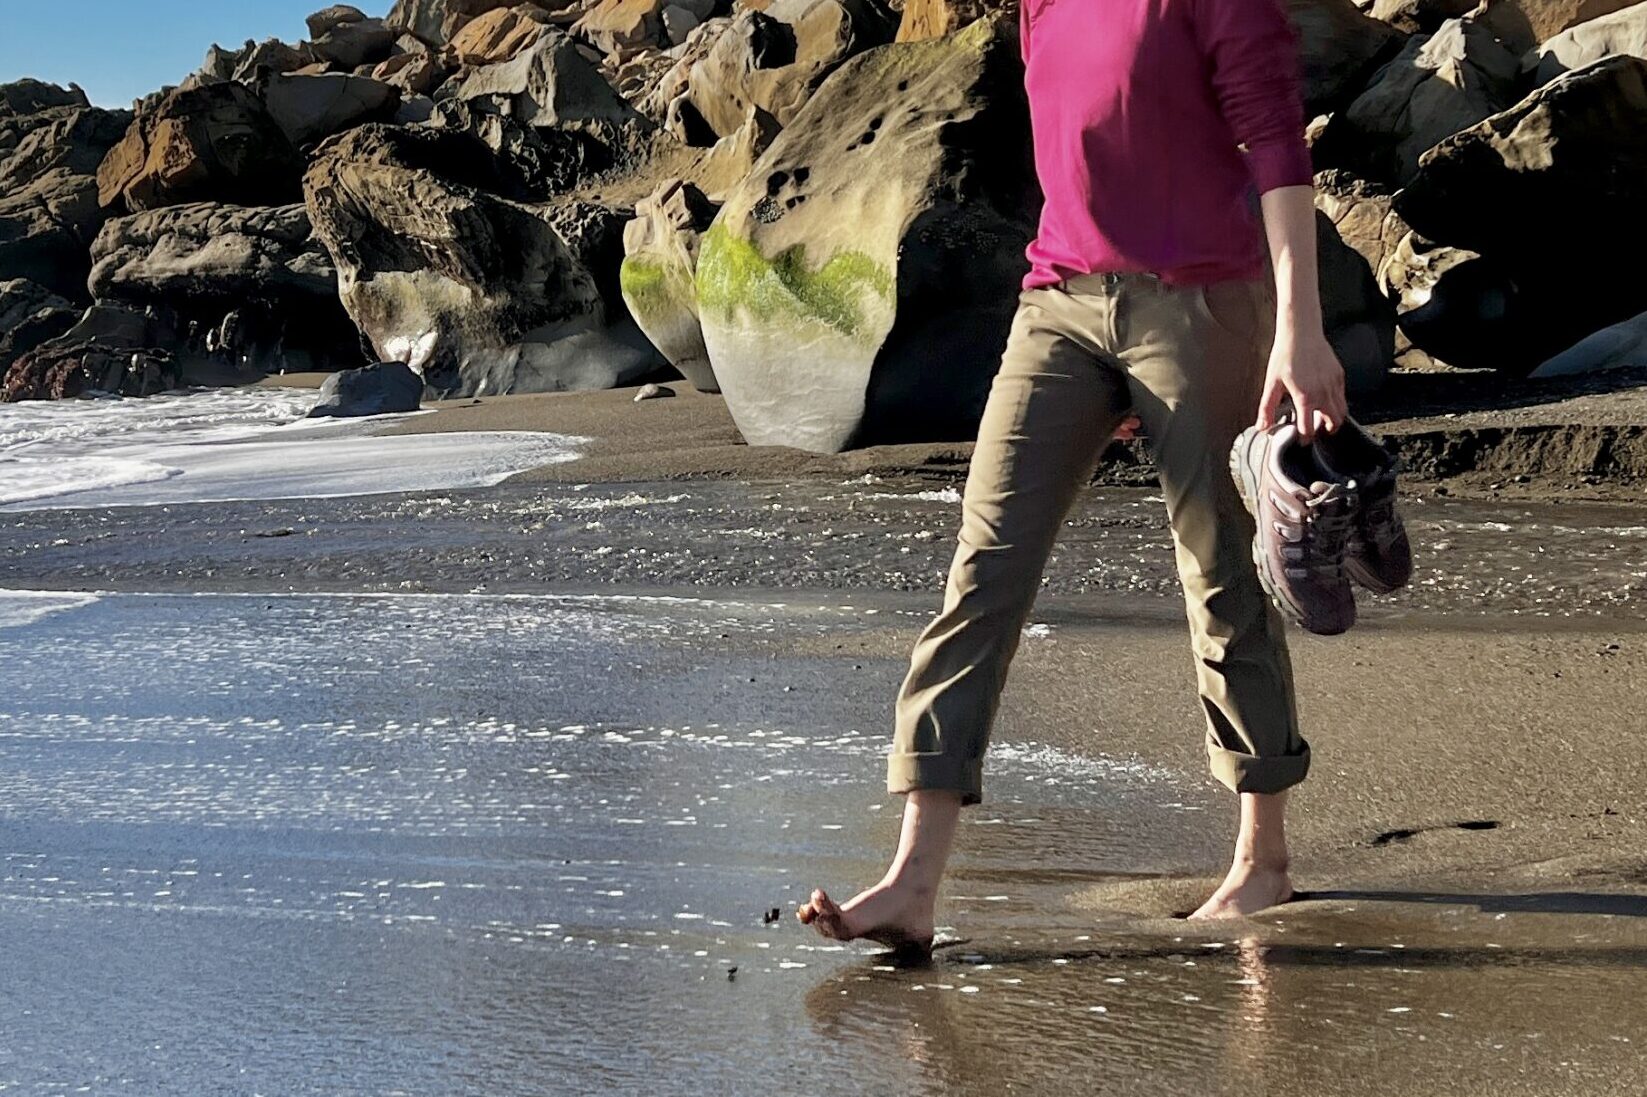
<point>1246,485</point>
<point>1367,578</point>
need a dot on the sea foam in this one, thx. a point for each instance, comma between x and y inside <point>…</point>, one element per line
<point>237,444</point>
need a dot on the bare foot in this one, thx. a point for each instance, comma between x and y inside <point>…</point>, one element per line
<point>888,914</point>
<point>1248,889</point>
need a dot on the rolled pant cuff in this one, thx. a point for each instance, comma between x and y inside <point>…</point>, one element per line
<point>910,772</point>
<point>1251,773</point>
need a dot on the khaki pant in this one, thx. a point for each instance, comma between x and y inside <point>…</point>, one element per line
<point>1189,361</point>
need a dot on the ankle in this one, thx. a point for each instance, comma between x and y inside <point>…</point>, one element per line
<point>1251,860</point>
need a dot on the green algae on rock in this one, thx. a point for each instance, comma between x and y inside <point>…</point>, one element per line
<point>860,282</point>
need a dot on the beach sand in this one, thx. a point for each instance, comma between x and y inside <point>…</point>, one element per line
<point>1469,847</point>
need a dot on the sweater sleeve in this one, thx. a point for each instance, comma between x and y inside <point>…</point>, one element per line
<point>1251,54</point>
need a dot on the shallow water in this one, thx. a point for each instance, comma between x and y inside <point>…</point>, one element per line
<point>1488,560</point>
<point>235,444</point>
<point>518,844</point>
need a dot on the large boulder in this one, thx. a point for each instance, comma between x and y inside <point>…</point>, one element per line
<point>1359,319</point>
<point>1419,16</point>
<point>623,26</point>
<point>1456,306</point>
<point>30,314</point>
<point>923,19</point>
<point>1622,346</point>
<point>1552,189</point>
<point>49,212</point>
<point>324,20</point>
<point>437,21</point>
<point>310,108</point>
<point>252,279</point>
<point>859,285</point>
<point>659,273</point>
<point>1339,48</point>
<point>1623,33</point>
<point>499,35</point>
<point>773,60</point>
<point>1438,84</point>
<point>478,292</point>
<point>30,96</point>
<point>212,143</point>
<point>110,349</point>
<point>353,43</point>
<point>550,84</point>
<point>1523,24</point>
<point>259,60</point>
<point>381,389</point>
<point>1360,212</point>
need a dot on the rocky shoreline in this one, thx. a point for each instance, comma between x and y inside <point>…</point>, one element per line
<point>815,207</point>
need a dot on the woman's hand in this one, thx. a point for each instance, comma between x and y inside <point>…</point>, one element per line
<point>1305,368</point>
<point>1128,430</point>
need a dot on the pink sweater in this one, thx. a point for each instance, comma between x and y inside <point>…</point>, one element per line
<point>1138,108</point>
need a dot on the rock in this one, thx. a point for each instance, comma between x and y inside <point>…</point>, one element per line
<point>352,44</point>
<point>653,391</point>
<point>859,286</point>
<point>1621,346</point>
<point>674,81</point>
<point>1419,16</point>
<point>336,15</point>
<point>924,19</point>
<point>623,26</point>
<point>1339,49</point>
<point>1522,24</point>
<point>200,264</point>
<point>1360,212</point>
<point>310,108</point>
<point>415,111</point>
<point>1547,188</point>
<point>499,35</point>
<point>678,24</point>
<point>1359,319</point>
<point>30,314</point>
<point>730,160</point>
<point>259,60</point>
<point>1437,85</point>
<point>415,74</point>
<point>1454,305</point>
<point>382,389</point>
<point>658,276</point>
<point>49,211</point>
<point>108,350</point>
<point>208,251</point>
<point>436,21</point>
<point>550,84</point>
<point>211,143</point>
<point>774,60</point>
<point>1621,34</point>
<point>478,292</point>
<point>29,96</point>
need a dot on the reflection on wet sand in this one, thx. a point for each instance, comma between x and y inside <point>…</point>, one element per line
<point>1250,1015</point>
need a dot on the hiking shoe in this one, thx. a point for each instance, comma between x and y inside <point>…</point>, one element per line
<point>1304,526</point>
<point>1379,555</point>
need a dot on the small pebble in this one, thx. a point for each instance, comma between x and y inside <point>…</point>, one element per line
<point>653,392</point>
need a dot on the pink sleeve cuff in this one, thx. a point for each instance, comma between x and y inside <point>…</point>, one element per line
<point>1280,164</point>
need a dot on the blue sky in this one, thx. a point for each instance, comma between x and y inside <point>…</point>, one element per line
<point>120,49</point>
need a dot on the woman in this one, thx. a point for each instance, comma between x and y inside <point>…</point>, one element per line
<point>1155,122</point>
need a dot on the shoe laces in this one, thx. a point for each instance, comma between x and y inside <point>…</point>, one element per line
<point>1328,519</point>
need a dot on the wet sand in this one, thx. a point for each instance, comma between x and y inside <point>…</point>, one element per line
<point>527,844</point>
<point>621,708</point>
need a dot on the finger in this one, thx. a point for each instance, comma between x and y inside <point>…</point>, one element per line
<point>1306,416</point>
<point>1270,403</point>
